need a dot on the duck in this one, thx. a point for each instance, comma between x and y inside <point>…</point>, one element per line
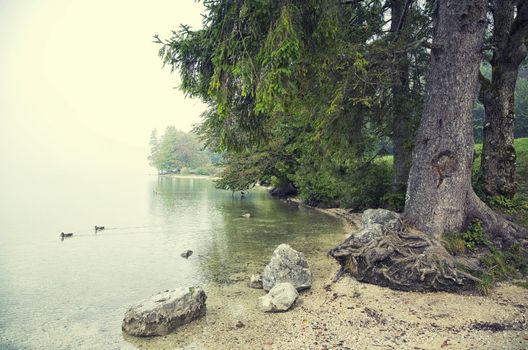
<point>68,234</point>
<point>99,228</point>
<point>186,254</point>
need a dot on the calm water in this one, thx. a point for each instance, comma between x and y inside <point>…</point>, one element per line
<point>72,294</point>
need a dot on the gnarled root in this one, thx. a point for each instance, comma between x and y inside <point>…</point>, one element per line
<point>402,259</point>
<point>504,233</point>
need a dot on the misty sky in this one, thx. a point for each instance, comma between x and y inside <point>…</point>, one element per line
<point>81,84</point>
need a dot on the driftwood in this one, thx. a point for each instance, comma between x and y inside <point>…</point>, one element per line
<point>401,258</point>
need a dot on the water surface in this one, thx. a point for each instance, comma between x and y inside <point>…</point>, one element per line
<point>72,293</point>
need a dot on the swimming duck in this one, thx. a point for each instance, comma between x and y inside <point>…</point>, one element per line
<point>99,228</point>
<point>186,254</point>
<point>68,234</point>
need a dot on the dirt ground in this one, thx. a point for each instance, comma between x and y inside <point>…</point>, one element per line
<point>353,315</point>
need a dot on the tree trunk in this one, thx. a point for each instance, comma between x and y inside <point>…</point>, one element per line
<point>497,168</point>
<point>440,177</point>
<point>389,251</point>
<point>401,118</point>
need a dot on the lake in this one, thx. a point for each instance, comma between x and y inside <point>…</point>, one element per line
<point>73,293</point>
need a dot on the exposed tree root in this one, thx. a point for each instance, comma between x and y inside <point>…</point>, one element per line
<point>504,233</point>
<point>402,259</point>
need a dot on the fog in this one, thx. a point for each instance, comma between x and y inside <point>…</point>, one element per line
<point>81,85</point>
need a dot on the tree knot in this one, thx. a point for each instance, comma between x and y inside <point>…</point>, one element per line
<point>444,164</point>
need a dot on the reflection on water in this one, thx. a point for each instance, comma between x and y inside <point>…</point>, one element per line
<point>72,294</point>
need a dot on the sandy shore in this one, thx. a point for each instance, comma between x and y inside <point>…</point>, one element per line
<point>353,315</point>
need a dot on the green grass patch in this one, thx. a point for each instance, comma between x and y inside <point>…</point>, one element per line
<point>500,265</point>
<point>522,284</point>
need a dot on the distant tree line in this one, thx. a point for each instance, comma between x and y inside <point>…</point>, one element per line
<point>176,150</point>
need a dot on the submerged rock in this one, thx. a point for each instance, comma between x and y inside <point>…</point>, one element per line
<point>163,313</point>
<point>280,298</point>
<point>287,265</point>
<point>255,281</point>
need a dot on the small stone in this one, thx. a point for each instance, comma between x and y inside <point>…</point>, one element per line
<point>240,324</point>
<point>255,281</point>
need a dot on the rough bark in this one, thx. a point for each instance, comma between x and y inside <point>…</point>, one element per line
<point>440,176</point>
<point>497,168</point>
<point>440,197</point>
<point>401,117</point>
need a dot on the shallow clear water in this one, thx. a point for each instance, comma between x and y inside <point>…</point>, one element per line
<point>73,293</point>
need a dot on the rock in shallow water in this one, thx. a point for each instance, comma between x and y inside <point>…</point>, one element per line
<point>287,265</point>
<point>164,312</point>
<point>280,298</point>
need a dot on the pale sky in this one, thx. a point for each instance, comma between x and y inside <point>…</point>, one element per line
<point>81,83</point>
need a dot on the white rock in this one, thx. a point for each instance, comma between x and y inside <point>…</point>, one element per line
<point>164,312</point>
<point>287,265</point>
<point>280,298</point>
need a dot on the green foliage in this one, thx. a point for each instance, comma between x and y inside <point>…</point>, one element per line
<point>394,201</point>
<point>306,84</point>
<point>522,284</point>
<point>454,243</point>
<point>507,205</point>
<point>176,150</point>
<point>154,148</point>
<point>474,235</point>
<point>501,265</point>
<point>207,171</point>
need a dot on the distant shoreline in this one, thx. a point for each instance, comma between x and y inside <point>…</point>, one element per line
<point>190,176</point>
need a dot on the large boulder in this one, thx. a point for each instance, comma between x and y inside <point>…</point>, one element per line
<point>280,298</point>
<point>164,312</point>
<point>287,265</point>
